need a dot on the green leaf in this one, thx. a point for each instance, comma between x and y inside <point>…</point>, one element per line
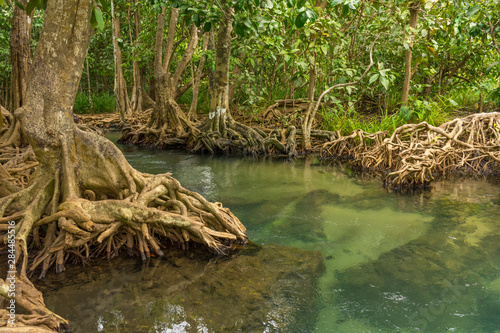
<point>452,102</point>
<point>195,18</point>
<point>345,10</point>
<point>423,33</point>
<point>31,6</point>
<point>374,78</point>
<point>301,19</point>
<point>385,82</point>
<point>1,2</point>
<point>490,67</point>
<point>207,27</point>
<point>324,48</point>
<point>301,3</point>
<point>473,10</point>
<point>98,17</point>
<point>291,3</point>
<point>240,30</point>
<point>311,15</point>
<point>20,5</point>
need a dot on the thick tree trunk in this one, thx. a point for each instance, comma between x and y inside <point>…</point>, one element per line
<point>414,9</point>
<point>120,87</point>
<point>20,54</point>
<point>84,196</point>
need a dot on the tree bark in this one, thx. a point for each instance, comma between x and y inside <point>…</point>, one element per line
<point>137,98</point>
<point>20,54</point>
<point>120,86</point>
<point>167,116</point>
<point>219,95</point>
<point>92,111</point>
<point>193,110</point>
<point>414,9</point>
<point>84,193</point>
<point>308,118</point>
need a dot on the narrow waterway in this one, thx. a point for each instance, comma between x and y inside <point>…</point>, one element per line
<point>332,253</point>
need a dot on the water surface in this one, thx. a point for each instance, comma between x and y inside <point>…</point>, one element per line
<point>366,260</point>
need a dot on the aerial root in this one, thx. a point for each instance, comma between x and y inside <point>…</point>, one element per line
<point>415,153</point>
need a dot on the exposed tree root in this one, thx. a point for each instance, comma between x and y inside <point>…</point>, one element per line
<point>113,120</point>
<point>31,300</point>
<point>96,204</point>
<point>415,153</point>
<point>239,138</point>
<point>10,132</point>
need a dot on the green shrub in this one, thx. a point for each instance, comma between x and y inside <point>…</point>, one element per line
<point>103,103</point>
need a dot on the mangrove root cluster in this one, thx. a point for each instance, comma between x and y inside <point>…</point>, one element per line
<point>415,153</point>
<point>91,203</point>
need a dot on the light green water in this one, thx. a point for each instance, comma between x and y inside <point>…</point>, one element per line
<point>393,263</point>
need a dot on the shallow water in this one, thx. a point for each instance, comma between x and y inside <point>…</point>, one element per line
<point>426,262</point>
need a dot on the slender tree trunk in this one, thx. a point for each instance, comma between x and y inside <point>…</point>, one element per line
<point>120,86</point>
<point>197,78</point>
<point>20,54</point>
<point>308,118</point>
<point>92,111</point>
<point>414,9</point>
<point>167,116</point>
<point>137,98</point>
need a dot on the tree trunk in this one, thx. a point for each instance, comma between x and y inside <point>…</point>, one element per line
<point>20,54</point>
<point>197,78</point>
<point>120,86</point>
<point>414,9</point>
<point>308,118</point>
<point>167,115</point>
<point>137,98</point>
<point>84,194</point>
<point>92,111</point>
<point>219,97</point>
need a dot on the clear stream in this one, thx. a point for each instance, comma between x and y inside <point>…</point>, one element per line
<point>427,262</point>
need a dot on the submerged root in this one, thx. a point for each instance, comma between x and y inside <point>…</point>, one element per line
<point>415,153</point>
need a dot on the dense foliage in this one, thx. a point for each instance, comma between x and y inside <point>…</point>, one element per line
<point>277,44</point>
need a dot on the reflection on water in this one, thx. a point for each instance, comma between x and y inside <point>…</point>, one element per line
<point>392,263</point>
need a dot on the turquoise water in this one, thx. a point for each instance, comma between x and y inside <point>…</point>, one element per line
<point>427,262</point>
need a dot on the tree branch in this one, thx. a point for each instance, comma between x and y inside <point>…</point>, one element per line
<point>342,85</point>
<point>170,39</point>
<point>193,42</point>
<point>492,33</point>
